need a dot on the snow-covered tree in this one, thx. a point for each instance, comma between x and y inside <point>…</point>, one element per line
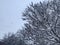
<point>43,25</point>
<point>12,39</point>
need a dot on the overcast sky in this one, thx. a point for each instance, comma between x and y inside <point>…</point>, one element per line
<point>10,14</point>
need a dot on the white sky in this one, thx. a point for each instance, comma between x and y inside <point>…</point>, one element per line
<point>10,14</point>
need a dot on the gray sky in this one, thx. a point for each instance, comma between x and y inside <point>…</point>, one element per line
<point>10,15</point>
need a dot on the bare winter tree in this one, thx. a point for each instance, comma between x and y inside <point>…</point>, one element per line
<point>43,25</point>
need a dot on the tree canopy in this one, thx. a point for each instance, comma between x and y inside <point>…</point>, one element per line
<point>43,23</point>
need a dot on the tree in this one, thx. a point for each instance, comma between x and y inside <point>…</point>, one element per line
<point>43,25</point>
<point>12,39</point>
